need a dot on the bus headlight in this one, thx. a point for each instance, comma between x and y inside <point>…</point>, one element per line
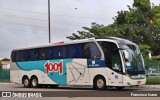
<point>139,76</point>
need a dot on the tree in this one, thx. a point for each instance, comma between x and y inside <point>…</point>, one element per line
<point>96,30</point>
<point>140,24</point>
<point>145,49</point>
<point>0,64</point>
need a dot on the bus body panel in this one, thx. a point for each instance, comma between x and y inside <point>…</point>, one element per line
<point>77,72</point>
<point>73,71</point>
<point>16,76</point>
<point>96,72</point>
<point>114,78</point>
<point>133,82</point>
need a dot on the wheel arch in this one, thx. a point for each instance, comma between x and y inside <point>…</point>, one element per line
<point>99,75</point>
<point>34,77</point>
<point>24,76</point>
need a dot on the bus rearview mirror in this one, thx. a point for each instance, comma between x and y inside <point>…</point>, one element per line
<point>126,55</point>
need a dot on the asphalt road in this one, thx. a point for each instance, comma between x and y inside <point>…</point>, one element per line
<point>79,93</point>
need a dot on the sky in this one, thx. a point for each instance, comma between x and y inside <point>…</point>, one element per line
<point>24,23</point>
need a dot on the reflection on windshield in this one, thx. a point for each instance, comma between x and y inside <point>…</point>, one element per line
<point>135,61</point>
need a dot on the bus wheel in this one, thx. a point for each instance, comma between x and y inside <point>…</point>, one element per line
<point>26,82</point>
<point>100,83</point>
<point>34,82</point>
<point>120,88</point>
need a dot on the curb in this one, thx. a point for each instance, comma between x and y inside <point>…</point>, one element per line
<point>151,86</point>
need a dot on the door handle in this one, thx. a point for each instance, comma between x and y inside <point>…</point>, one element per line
<point>112,73</point>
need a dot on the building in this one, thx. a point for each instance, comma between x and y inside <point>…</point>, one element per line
<point>5,62</point>
<point>4,70</point>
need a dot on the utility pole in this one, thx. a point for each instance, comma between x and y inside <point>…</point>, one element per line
<point>49,25</point>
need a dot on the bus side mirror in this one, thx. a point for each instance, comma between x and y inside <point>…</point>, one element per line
<point>126,55</point>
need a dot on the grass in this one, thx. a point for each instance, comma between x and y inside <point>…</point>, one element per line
<point>153,80</point>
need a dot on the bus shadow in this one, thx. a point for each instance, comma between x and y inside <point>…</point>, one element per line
<point>74,88</point>
<point>90,88</point>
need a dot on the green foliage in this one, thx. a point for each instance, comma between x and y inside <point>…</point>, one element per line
<point>154,64</point>
<point>153,80</point>
<point>0,64</point>
<point>145,49</point>
<point>156,58</point>
<point>155,11</point>
<point>140,25</point>
<point>142,4</point>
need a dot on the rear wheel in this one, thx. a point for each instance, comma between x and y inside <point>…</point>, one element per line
<point>34,82</point>
<point>26,82</point>
<point>100,83</point>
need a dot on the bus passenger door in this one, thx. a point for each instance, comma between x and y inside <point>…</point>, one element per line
<point>114,71</point>
<point>114,78</point>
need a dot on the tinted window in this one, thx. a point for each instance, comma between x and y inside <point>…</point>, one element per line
<point>49,53</point>
<point>63,52</point>
<point>76,51</point>
<point>13,56</point>
<point>80,50</point>
<point>33,54</point>
<point>59,52</point>
<point>22,55</point>
<point>56,53</point>
<point>91,51</point>
<point>17,56</point>
<point>112,57</point>
<point>43,53</point>
<point>46,53</point>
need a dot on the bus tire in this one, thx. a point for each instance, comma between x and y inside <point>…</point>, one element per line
<point>26,82</point>
<point>34,82</point>
<point>99,83</point>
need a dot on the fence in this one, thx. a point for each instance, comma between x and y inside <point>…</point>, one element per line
<point>153,68</point>
<point>153,72</point>
<point>5,73</point>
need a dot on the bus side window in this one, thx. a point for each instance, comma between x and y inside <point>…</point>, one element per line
<point>91,51</point>
<point>79,49</point>
<point>22,55</point>
<point>13,56</point>
<point>17,56</point>
<point>72,51</point>
<point>25,56</point>
<point>56,52</point>
<point>49,54</point>
<point>43,53</point>
<point>116,62</point>
<point>63,52</point>
<point>76,51</point>
<point>33,54</point>
<point>86,51</point>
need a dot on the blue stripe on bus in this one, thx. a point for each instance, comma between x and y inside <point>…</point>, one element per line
<point>40,65</point>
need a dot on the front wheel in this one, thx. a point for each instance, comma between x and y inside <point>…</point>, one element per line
<point>100,83</point>
<point>34,82</point>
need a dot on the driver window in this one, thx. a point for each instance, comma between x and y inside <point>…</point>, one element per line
<point>116,62</point>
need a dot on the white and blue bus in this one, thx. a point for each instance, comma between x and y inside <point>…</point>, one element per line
<point>98,62</point>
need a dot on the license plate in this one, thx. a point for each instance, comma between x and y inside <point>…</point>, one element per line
<point>138,82</point>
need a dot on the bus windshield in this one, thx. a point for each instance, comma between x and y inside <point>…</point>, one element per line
<point>135,62</point>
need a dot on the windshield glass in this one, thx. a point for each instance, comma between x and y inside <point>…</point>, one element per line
<point>135,60</point>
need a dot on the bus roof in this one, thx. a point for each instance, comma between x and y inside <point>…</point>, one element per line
<point>118,40</point>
